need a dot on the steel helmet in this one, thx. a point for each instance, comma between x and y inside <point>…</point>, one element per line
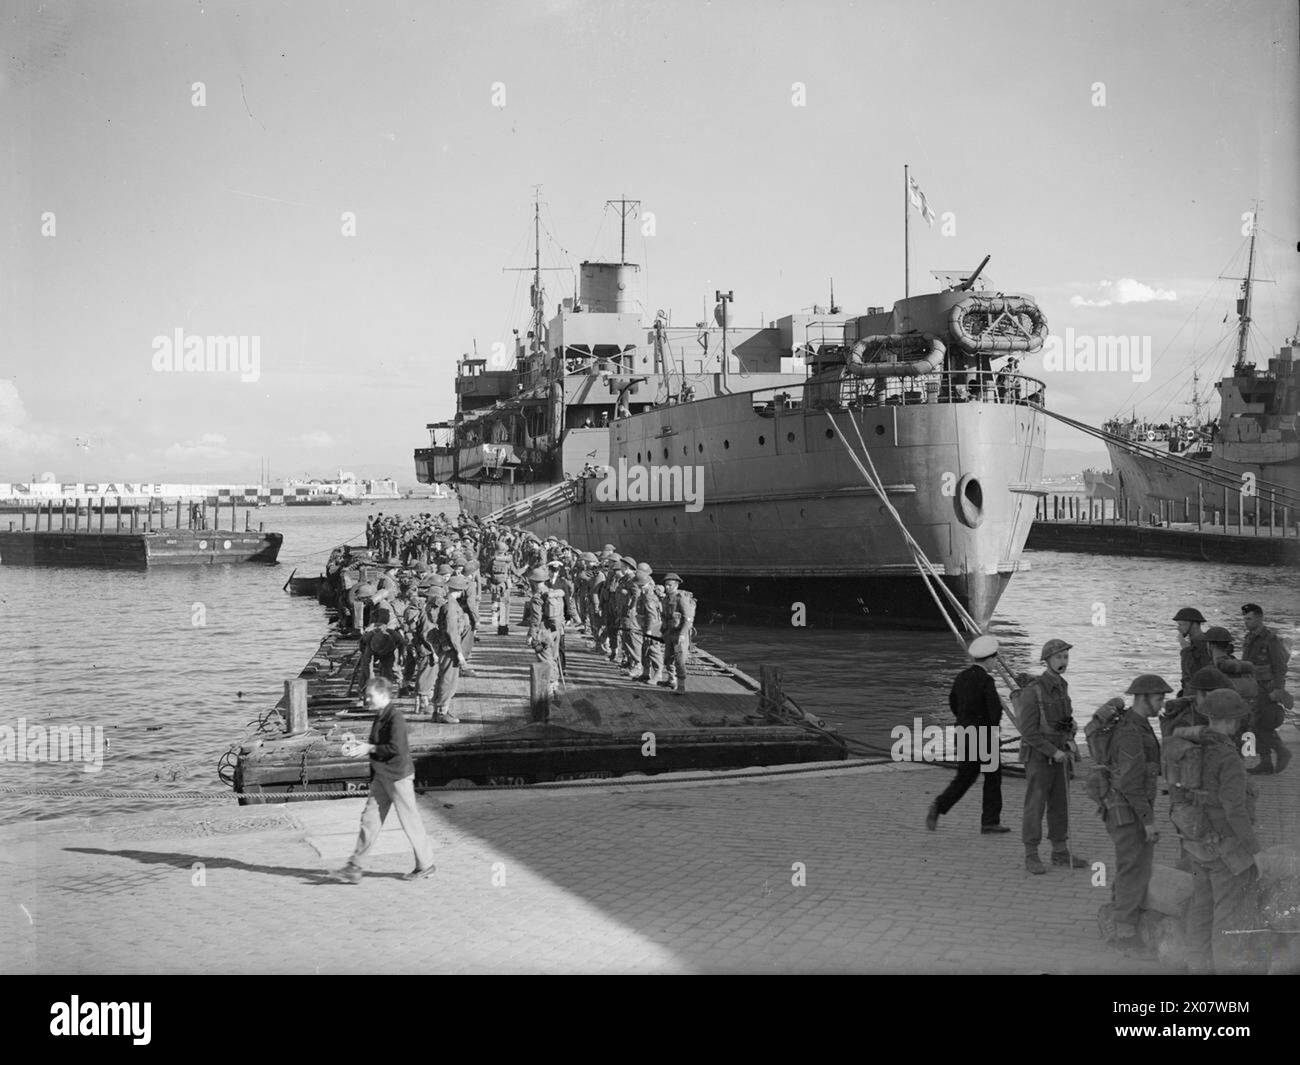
<point>1218,634</point>
<point>1148,684</point>
<point>1208,679</point>
<point>1224,704</point>
<point>1053,647</point>
<point>1189,613</point>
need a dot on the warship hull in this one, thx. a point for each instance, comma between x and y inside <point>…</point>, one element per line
<point>785,528</point>
<point>1147,482</point>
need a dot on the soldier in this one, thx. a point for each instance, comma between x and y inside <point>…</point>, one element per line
<point>974,701</point>
<point>632,642</point>
<point>678,619</point>
<point>1186,710</point>
<point>649,623</point>
<point>1046,723</point>
<point>1264,650</point>
<point>1129,803</point>
<point>471,601</point>
<point>451,629</point>
<point>1212,807</point>
<point>557,611</point>
<point>1192,650</point>
<point>609,603</point>
<point>503,572</point>
<point>540,637</point>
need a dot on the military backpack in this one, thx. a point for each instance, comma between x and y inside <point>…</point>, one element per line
<point>1099,733</point>
<point>1184,766</point>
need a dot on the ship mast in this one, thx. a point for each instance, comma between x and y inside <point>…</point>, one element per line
<point>1243,304</point>
<point>626,207</point>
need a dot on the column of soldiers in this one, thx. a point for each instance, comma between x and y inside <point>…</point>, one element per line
<point>1225,710</point>
<point>418,623</point>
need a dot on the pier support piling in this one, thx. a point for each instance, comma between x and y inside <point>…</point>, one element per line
<point>539,691</point>
<point>295,706</point>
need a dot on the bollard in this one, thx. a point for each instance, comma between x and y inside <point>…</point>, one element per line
<point>539,691</point>
<point>295,706</point>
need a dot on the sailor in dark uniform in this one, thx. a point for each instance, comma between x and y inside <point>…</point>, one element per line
<point>974,701</point>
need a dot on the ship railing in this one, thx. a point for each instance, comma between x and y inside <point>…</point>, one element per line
<point>856,393</point>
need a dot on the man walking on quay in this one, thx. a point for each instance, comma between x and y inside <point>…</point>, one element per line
<point>1046,722</point>
<point>1264,650</point>
<point>392,783</point>
<point>975,703</point>
<point>1132,768</point>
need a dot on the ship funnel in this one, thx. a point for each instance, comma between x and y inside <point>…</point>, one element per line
<point>606,288</point>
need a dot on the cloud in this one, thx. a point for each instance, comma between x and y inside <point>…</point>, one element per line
<point>14,436</point>
<point>319,438</point>
<point>208,446</point>
<point>1125,290</point>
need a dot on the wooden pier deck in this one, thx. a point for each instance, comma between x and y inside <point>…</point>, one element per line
<point>601,725</point>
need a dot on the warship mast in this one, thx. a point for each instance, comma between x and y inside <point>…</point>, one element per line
<point>1243,304</point>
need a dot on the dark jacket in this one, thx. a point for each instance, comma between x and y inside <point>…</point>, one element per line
<point>1263,649</point>
<point>391,758</point>
<point>1193,657</point>
<point>1228,802</point>
<point>974,698</point>
<point>1136,757</point>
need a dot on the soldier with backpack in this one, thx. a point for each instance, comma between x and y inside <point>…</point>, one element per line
<point>1212,808</point>
<point>1193,654</point>
<point>1122,781</point>
<point>1045,719</point>
<point>1264,650</point>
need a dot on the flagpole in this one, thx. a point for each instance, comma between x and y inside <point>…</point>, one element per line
<point>907,265</point>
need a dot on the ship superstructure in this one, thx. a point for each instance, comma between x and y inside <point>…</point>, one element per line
<point>760,507</point>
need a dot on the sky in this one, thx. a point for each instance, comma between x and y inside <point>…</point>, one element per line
<point>347,184</point>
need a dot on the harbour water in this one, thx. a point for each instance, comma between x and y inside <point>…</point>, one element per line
<point>176,665</point>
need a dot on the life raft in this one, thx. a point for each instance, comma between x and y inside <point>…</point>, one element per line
<point>929,349</point>
<point>982,324</point>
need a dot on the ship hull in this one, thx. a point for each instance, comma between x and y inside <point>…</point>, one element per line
<point>1157,486</point>
<point>785,528</point>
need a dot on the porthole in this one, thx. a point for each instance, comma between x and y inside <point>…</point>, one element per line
<point>638,458</point>
<point>683,449</point>
<point>665,452</point>
<point>762,440</point>
<point>726,444</point>
<point>880,430</point>
<point>701,449</point>
<point>789,438</point>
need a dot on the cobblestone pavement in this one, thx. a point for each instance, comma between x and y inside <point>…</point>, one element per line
<point>669,877</point>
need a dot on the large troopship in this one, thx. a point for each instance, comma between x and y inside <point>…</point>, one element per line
<point>761,440</point>
<point>1245,462</point>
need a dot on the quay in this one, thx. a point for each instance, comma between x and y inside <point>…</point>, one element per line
<point>132,540</point>
<point>601,724</point>
<point>1096,526</point>
<point>794,870</point>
